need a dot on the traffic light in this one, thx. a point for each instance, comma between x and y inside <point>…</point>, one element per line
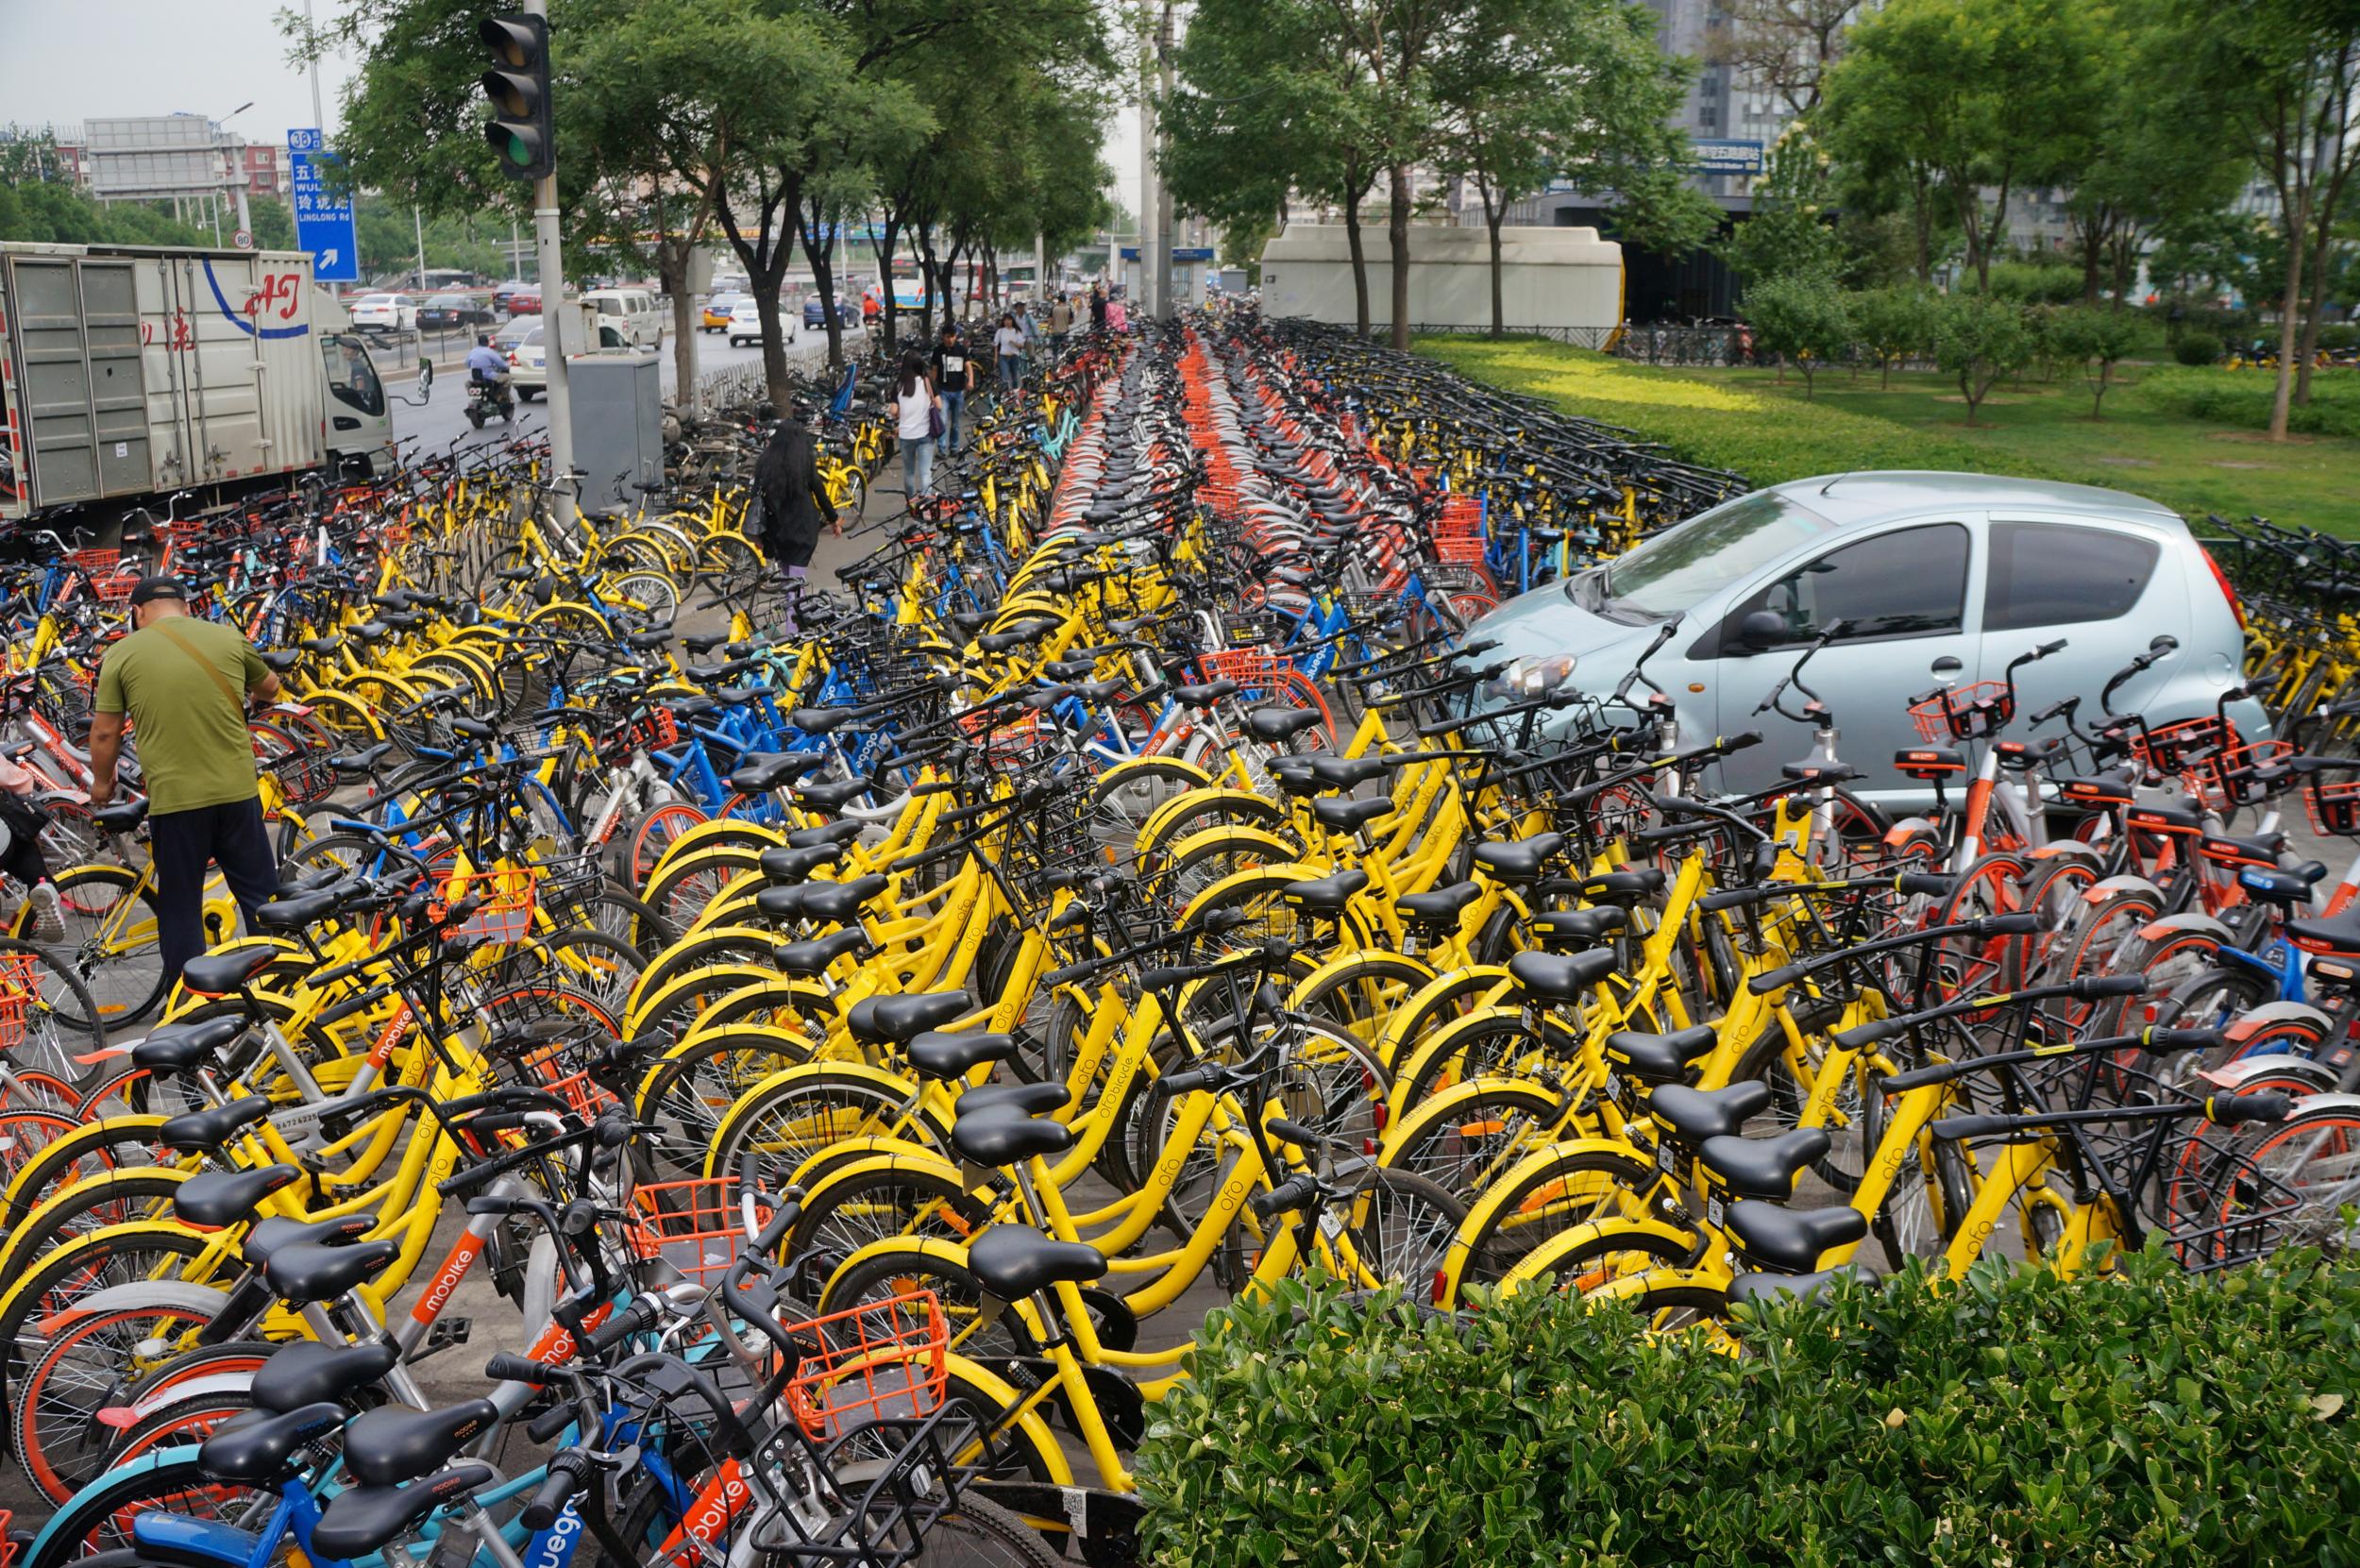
<point>520,129</point>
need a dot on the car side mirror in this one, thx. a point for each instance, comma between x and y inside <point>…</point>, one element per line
<point>1763,630</point>
<point>426,376</point>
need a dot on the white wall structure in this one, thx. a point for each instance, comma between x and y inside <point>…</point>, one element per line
<point>1554,278</point>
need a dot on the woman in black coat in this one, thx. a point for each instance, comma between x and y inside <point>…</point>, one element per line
<point>794,503</point>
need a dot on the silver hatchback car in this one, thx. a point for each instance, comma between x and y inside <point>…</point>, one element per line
<point>1934,575</point>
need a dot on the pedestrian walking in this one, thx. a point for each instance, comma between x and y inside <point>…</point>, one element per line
<point>21,825</point>
<point>956,376</point>
<point>1007,345</point>
<point>1118,315</point>
<point>794,500</point>
<point>1098,307</point>
<point>1028,323</point>
<point>186,686</point>
<point>917,417</point>
<point>1060,323</point>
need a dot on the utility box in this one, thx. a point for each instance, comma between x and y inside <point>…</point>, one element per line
<point>618,428</point>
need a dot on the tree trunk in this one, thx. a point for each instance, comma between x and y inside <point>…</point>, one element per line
<point>823,278</point>
<point>1360,266</point>
<point>671,270</point>
<point>888,235</point>
<point>925,248</point>
<point>1397,244</point>
<point>2309,348</point>
<point>2289,308</point>
<point>1491,219</point>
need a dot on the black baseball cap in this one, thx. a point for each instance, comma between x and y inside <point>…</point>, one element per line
<point>157,588</point>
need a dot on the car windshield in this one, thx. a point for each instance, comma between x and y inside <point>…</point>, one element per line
<point>446,301</point>
<point>1676,570</point>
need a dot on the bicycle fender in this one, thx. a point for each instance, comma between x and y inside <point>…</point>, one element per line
<point>2066,849</point>
<point>1542,1100</point>
<point>2189,920</point>
<point>15,1204</point>
<point>1488,980</point>
<point>718,830</point>
<point>1631,1286</point>
<point>1244,802</point>
<point>1375,965</point>
<point>877,1154</point>
<point>1130,765</point>
<point>1234,835</point>
<point>1543,1259</point>
<point>2278,1064</point>
<point>212,1383</point>
<point>2272,1014</point>
<point>173,1457</point>
<point>170,1294</point>
<point>2114,887</point>
<point>1288,870</point>
<point>885,1083</point>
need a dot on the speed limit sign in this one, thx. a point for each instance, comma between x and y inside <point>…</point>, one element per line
<point>243,239</point>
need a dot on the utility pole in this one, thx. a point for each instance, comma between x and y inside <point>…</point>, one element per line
<point>550,266</point>
<point>1148,132</point>
<point>523,129</point>
<point>311,49</point>
<point>417,226</point>
<point>1163,191</point>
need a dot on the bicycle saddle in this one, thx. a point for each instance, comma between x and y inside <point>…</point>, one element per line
<point>320,644</point>
<point>1561,976</point>
<point>356,763</point>
<point>832,796</point>
<point>1622,888</point>
<point>392,1445</point>
<point>701,642</point>
<point>806,960</point>
<point>1326,895</point>
<point>474,729</point>
<point>373,630</point>
<point>939,1053</point>
<point>364,1520</point>
<point>1009,1261</point>
<point>1438,907</point>
<point>1277,724</point>
<point>1655,1058</point>
<point>283,914</point>
<point>1580,925</point>
<point>757,774</point>
<point>213,1126</point>
<point>185,1047</point>
<point>1524,861</point>
<point>1760,1288</point>
<point>1338,815</point>
<point>121,818</point>
<point>648,641</point>
<point>1204,696</point>
<point>839,902</point>
<point>220,973</point>
<point>1021,1098</point>
<point>280,659</point>
<point>308,1271</point>
<point>898,1019</point>
<point>1791,1240</point>
<point>826,833</point>
<point>1347,772</point>
<point>2285,887</point>
<point>1006,1136</point>
<point>261,1448</point>
<point>269,1236</point>
<point>307,1371</point>
<point>1691,1116</point>
<point>217,1197</point>
<point>2337,934</point>
<point>791,867</point>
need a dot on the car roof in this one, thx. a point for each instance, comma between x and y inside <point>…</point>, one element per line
<point>1871,496</point>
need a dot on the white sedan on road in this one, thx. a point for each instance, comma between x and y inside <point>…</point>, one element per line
<point>385,313</point>
<point>746,323</point>
<point>528,364</point>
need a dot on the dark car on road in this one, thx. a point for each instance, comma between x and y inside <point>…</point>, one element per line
<point>816,312</point>
<point>450,311</point>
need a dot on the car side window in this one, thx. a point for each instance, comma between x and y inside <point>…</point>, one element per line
<point>2053,574</point>
<point>1910,582</point>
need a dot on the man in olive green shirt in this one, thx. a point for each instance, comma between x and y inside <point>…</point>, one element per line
<point>187,685</point>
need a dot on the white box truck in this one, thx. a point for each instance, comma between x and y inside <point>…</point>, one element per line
<point>128,374</point>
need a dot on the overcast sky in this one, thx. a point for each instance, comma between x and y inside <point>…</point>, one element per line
<point>64,62</point>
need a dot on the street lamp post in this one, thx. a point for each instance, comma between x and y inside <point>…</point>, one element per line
<point>238,176</point>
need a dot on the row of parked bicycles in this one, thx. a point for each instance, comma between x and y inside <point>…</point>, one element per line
<point>857,1055</point>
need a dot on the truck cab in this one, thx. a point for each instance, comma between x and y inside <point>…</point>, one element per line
<point>359,415</point>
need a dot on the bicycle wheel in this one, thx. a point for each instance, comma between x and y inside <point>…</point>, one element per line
<point>90,1361</point>
<point>978,1533</point>
<point>1402,1228</point>
<point>100,1519</point>
<point>120,1254</point>
<point>111,923</point>
<point>897,1270</point>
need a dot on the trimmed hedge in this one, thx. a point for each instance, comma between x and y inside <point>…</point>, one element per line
<point>2242,397</point>
<point>2147,1417</point>
<point>1768,440</point>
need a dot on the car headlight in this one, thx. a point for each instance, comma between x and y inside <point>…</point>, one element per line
<point>1534,675</point>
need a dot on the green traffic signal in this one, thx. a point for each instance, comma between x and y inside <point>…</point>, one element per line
<point>520,129</point>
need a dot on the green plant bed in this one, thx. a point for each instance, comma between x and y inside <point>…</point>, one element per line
<point>2242,397</point>
<point>1744,420</point>
<point>2149,1417</point>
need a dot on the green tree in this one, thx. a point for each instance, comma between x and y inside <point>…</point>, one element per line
<point>1527,89</point>
<point>1786,45</point>
<point>1805,318</point>
<point>274,223</point>
<point>1792,228</point>
<point>1979,340</point>
<point>1895,322</point>
<point>2092,341</point>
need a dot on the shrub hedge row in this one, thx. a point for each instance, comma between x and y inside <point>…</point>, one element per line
<point>2242,397</point>
<point>2147,1417</point>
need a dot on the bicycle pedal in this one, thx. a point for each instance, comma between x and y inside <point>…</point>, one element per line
<point>443,1334</point>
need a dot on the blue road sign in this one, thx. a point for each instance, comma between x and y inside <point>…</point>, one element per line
<point>1723,156</point>
<point>323,223</point>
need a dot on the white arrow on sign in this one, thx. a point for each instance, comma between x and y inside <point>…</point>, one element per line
<point>327,256</point>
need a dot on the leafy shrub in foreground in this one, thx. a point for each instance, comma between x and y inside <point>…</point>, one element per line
<point>2149,1417</point>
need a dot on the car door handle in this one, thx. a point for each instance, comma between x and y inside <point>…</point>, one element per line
<point>343,423</point>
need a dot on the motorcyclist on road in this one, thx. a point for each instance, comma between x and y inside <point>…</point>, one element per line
<point>485,362</point>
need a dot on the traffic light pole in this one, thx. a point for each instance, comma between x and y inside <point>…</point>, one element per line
<point>554,327</point>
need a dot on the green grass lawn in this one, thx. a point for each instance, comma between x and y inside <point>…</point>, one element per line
<point>1746,421</point>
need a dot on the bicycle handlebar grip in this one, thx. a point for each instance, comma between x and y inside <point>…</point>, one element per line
<point>1189,1079</point>
<point>2090,985</point>
<point>1743,742</point>
<point>1934,885</point>
<point>546,1426</point>
<point>1069,973</point>
<point>507,1367</point>
<point>1786,974</point>
<point>1291,1193</point>
<point>2229,1109</point>
<point>2015,923</point>
<point>2180,1039</point>
<point>568,1473</point>
<point>2046,648</point>
<point>633,1319</point>
<point>1956,1128</point>
<point>1165,976</point>
<point>1869,1034</point>
<point>1292,1132</point>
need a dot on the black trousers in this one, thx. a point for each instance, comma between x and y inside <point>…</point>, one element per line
<point>184,844</point>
